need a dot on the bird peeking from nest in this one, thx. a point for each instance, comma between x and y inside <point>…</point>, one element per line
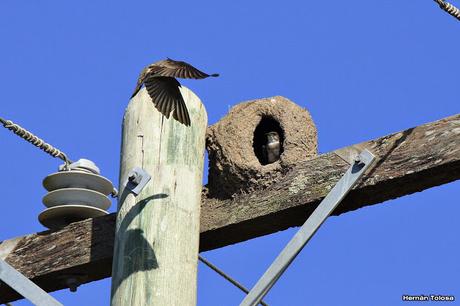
<point>272,148</point>
<point>160,81</point>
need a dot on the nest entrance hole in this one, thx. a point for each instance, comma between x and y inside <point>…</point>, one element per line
<point>267,124</point>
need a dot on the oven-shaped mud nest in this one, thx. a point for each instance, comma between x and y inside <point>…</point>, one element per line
<point>255,143</point>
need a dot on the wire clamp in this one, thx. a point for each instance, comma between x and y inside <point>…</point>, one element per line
<point>137,180</point>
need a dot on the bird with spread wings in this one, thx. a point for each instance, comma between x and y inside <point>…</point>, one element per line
<point>160,81</point>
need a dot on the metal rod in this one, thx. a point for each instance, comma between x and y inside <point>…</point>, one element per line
<point>25,286</point>
<point>309,228</point>
<point>227,277</point>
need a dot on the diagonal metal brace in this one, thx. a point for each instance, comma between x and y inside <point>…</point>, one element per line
<point>25,286</point>
<point>309,228</point>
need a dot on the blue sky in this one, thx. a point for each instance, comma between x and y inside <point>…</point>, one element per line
<point>363,69</point>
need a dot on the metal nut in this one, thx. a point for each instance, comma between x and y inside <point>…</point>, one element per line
<point>73,284</point>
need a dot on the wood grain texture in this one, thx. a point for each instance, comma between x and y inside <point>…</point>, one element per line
<point>157,232</point>
<point>408,162</point>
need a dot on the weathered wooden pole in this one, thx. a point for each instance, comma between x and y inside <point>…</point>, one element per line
<point>157,231</point>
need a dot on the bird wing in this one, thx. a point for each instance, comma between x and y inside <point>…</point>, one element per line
<point>177,69</point>
<point>138,87</point>
<point>140,81</point>
<point>167,98</point>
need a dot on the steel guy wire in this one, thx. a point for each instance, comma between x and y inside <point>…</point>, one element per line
<point>449,8</point>
<point>227,277</point>
<point>36,141</point>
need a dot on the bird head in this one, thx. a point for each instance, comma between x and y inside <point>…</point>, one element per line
<point>272,136</point>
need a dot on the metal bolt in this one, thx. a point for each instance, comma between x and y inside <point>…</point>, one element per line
<point>73,284</point>
<point>114,193</point>
<point>135,178</point>
<point>357,159</point>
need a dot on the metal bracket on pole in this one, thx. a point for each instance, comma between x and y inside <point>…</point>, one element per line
<point>137,179</point>
<point>25,286</point>
<point>308,229</point>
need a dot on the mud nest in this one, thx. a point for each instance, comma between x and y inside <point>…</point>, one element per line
<point>237,145</point>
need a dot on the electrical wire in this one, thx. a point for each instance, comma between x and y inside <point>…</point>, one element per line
<point>227,277</point>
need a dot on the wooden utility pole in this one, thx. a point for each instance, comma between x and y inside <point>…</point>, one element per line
<point>157,231</point>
